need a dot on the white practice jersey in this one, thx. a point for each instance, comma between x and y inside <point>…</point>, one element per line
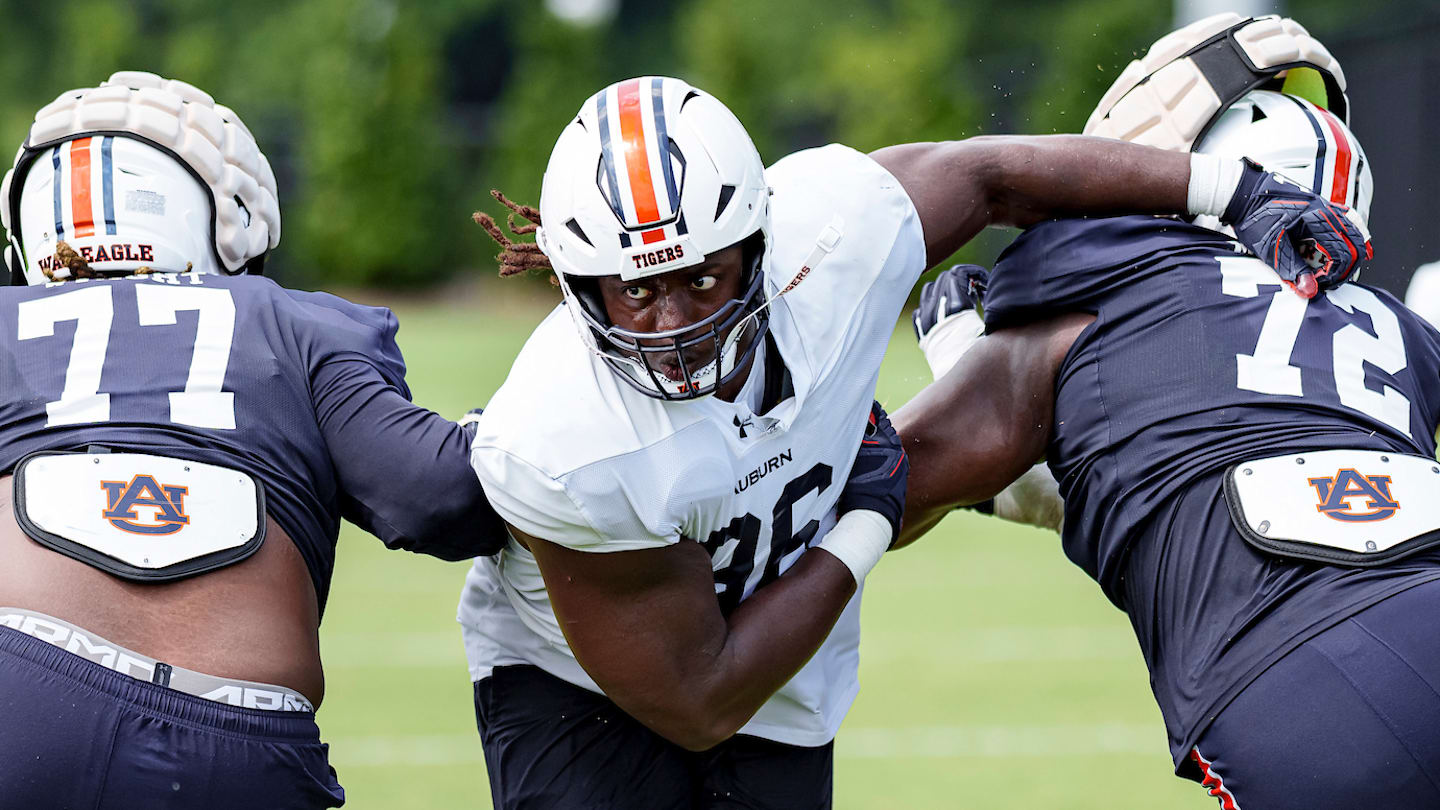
<point>568,452</point>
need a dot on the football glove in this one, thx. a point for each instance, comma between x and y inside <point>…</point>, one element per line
<point>1311,242</point>
<point>948,320</point>
<point>877,481</point>
<point>960,288</point>
<point>470,422</point>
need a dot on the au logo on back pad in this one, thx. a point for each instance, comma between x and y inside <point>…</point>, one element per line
<point>1351,497</point>
<point>138,516</point>
<point>1342,507</point>
<point>125,498</point>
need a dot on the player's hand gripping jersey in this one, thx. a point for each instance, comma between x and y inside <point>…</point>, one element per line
<point>1200,358</point>
<point>570,453</point>
<point>303,391</point>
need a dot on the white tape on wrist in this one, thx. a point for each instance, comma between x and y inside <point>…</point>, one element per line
<point>858,540</point>
<point>1213,181</point>
<point>951,338</point>
<point>1034,500</point>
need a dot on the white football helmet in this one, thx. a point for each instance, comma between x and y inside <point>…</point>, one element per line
<point>651,176</point>
<point>140,172</point>
<point>1293,137</point>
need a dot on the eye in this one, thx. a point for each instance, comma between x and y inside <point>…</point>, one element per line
<point>635,293</point>
<point>704,282</point>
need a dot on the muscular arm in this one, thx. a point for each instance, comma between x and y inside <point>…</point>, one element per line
<point>960,187</point>
<point>983,424</point>
<point>647,627</point>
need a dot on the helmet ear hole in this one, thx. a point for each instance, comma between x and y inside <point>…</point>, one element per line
<point>587,290</point>
<point>752,251</point>
<point>574,226</point>
<point>726,192</point>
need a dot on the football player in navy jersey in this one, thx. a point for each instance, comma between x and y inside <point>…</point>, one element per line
<point>179,441</point>
<point>1248,474</point>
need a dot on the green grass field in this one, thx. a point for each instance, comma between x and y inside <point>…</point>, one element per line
<point>995,674</point>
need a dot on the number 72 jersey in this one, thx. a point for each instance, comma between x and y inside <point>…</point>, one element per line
<point>1201,357</point>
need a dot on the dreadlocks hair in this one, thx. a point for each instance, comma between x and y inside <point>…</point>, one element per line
<point>515,257</point>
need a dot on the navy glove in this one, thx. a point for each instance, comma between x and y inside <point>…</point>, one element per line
<point>877,481</point>
<point>960,288</point>
<point>1309,240</point>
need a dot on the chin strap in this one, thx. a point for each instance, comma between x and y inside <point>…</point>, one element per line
<point>824,245</point>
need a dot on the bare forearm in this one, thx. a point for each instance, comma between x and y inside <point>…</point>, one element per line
<point>771,635</point>
<point>1032,179</point>
<point>960,187</point>
<point>968,436</point>
<point>646,626</point>
<point>982,425</point>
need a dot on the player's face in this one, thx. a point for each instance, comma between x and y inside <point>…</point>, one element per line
<point>676,300</point>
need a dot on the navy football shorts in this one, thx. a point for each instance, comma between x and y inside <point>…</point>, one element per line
<point>550,744</point>
<point>1351,718</point>
<point>74,734</point>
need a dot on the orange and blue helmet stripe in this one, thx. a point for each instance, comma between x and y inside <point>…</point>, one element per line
<point>1338,162</point>
<point>638,160</point>
<point>73,160</point>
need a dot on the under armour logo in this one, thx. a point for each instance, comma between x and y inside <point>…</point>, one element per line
<point>168,503</point>
<point>1336,491</point>
<point>742,425</point>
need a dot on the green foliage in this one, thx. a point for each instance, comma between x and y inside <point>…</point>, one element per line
<point>1100,38</point>
<point>375,178</point>
<point>345,97</point>
<point>557,68</point>
<point>862,73</point>
<point>383,146</point>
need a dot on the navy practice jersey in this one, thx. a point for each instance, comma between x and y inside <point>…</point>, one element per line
<point>304,391</point>
<point>1199,358</point>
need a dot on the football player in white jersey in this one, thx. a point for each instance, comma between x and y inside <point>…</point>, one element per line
<point>675,621</point>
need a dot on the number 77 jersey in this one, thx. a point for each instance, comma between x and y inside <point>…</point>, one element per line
<point>233,371</point>
<point>1201,357</point>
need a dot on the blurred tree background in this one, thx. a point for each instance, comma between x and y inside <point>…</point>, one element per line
<point>387,122</point>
